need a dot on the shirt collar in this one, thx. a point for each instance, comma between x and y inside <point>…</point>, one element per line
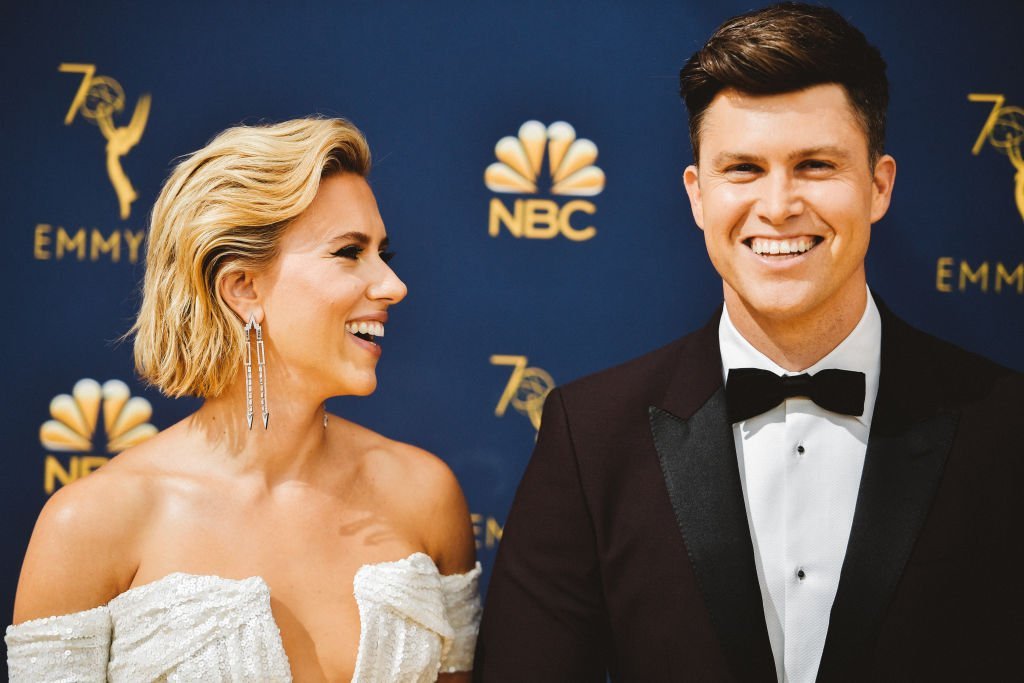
<point>861,351</point>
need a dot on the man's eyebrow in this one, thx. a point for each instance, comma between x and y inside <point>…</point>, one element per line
<point>725,158</point>
<point>823,151</point>
<point>831,151</point>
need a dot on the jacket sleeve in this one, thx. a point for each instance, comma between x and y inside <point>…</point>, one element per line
<point>545,618</point>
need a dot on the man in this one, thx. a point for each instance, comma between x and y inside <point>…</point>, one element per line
<point>693,515</point>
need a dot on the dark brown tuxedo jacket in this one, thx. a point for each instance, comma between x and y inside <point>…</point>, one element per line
<point>627,549</point>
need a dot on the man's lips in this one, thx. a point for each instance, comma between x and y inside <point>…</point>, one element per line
<point>776,247</point>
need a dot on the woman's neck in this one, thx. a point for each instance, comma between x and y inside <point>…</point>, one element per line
<point>291,446</point>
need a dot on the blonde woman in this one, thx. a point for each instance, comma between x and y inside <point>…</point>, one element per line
<point>259,539</point>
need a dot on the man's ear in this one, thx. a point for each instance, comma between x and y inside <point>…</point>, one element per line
<point>882,180</point>
<point>236,288</point>
<point>692,184</point>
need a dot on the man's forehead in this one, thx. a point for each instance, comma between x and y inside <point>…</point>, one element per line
<point>819,116</point>
<point>813,100</point>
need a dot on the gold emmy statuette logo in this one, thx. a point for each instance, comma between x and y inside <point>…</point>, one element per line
<point>73,427</point>
<point>526,388</point>
<point>1004,130</point>
<point>99,98</point>
<point>520,164</point>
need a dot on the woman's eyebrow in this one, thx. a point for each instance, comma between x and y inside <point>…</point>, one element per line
<point>360,238</point>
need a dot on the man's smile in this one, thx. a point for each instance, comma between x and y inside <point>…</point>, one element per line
<point>782,247</point>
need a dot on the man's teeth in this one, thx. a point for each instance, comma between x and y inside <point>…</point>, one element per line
<point>799,245</point>
<point>372,328</point>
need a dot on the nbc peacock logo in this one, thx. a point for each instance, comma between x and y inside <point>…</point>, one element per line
<point>75,429</point>
<point>520,168</point>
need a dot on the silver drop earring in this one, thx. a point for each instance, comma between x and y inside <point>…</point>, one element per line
<point>325,414</point>
<point>246,339</point>
<point>261,366</point>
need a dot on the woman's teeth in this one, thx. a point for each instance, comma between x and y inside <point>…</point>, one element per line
<point>366,329</point>
<point>799,245</point>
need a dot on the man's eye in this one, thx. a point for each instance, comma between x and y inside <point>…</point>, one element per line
<point>352,251</point>
<point>386,256</point>
<point>743,168</point>
<point>817,165</point>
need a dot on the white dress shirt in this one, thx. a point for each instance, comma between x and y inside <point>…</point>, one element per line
<point>800,468</point>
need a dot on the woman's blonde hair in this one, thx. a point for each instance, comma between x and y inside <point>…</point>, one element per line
<point>225,208</point>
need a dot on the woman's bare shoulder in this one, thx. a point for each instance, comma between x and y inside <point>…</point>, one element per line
<point>83,548</point>
<point>420,488</point>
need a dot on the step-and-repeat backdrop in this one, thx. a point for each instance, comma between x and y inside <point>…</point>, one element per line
<point>514,287</point>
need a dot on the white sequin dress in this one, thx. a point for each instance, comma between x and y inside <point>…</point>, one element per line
<point>414,624</point>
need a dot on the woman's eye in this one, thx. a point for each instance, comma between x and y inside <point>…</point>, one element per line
<point>352,251</point>
<point>386,256</point>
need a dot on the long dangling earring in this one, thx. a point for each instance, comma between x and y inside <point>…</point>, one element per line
<point>261,365</point>
<point>325,414</point>
<point>247,340</point>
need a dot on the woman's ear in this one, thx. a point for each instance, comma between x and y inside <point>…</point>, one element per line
<point>236,288</point>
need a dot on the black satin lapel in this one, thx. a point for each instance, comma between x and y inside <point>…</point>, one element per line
<point>901,474</point>
<point>698,459</point>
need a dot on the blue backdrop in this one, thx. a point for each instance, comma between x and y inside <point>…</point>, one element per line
<point>435,86</point>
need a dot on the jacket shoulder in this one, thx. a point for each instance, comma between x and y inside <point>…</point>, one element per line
<point>643,379</point>
<point>958,376</point>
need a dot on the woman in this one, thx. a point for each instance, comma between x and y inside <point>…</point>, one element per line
<point>260,538</point>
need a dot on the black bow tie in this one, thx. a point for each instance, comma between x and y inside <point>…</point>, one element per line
<point>750,391</point>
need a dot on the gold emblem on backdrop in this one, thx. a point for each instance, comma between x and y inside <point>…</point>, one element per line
<point>73,428</point>
<point>1004,130</point>
<point>526,389</point>
<point>518,170</point>
<point>487,530</point>
<point>99,99</point>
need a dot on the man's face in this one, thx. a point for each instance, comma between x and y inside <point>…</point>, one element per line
<point>786,197</point>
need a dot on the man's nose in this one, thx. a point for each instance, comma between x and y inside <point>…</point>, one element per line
<point>779,200</point>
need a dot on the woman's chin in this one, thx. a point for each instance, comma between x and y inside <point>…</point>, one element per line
<point>361,387</point>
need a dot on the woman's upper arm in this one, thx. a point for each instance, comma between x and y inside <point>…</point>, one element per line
<point>449,530</point>
<point>81,551</point>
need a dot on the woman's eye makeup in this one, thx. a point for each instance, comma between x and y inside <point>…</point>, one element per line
<point>354,251</point>
<point>351,251</point>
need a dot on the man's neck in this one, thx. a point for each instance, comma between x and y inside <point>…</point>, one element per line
<point>796,343</point>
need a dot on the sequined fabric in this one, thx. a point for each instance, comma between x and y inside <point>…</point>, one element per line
<point>183,627</point>
<point>414,622</point>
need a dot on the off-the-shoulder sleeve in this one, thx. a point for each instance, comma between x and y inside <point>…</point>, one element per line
<point>73,647</point>
<point>461,595</point>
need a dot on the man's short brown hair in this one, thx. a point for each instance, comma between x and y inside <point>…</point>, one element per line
<point>785,48</point>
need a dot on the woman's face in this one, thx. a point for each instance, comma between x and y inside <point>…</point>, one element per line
<point>326,295</point>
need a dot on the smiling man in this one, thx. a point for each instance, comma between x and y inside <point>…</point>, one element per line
<point>807,488</point>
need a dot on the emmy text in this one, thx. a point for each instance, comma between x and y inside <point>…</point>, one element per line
<point>988,276</point>
<point>486,530</point>
<point>56,243</point>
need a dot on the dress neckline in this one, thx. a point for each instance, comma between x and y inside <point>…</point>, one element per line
<point>366,589</point>
<point>255,580</point>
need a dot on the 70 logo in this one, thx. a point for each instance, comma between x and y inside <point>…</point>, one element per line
<point>526,389</point>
